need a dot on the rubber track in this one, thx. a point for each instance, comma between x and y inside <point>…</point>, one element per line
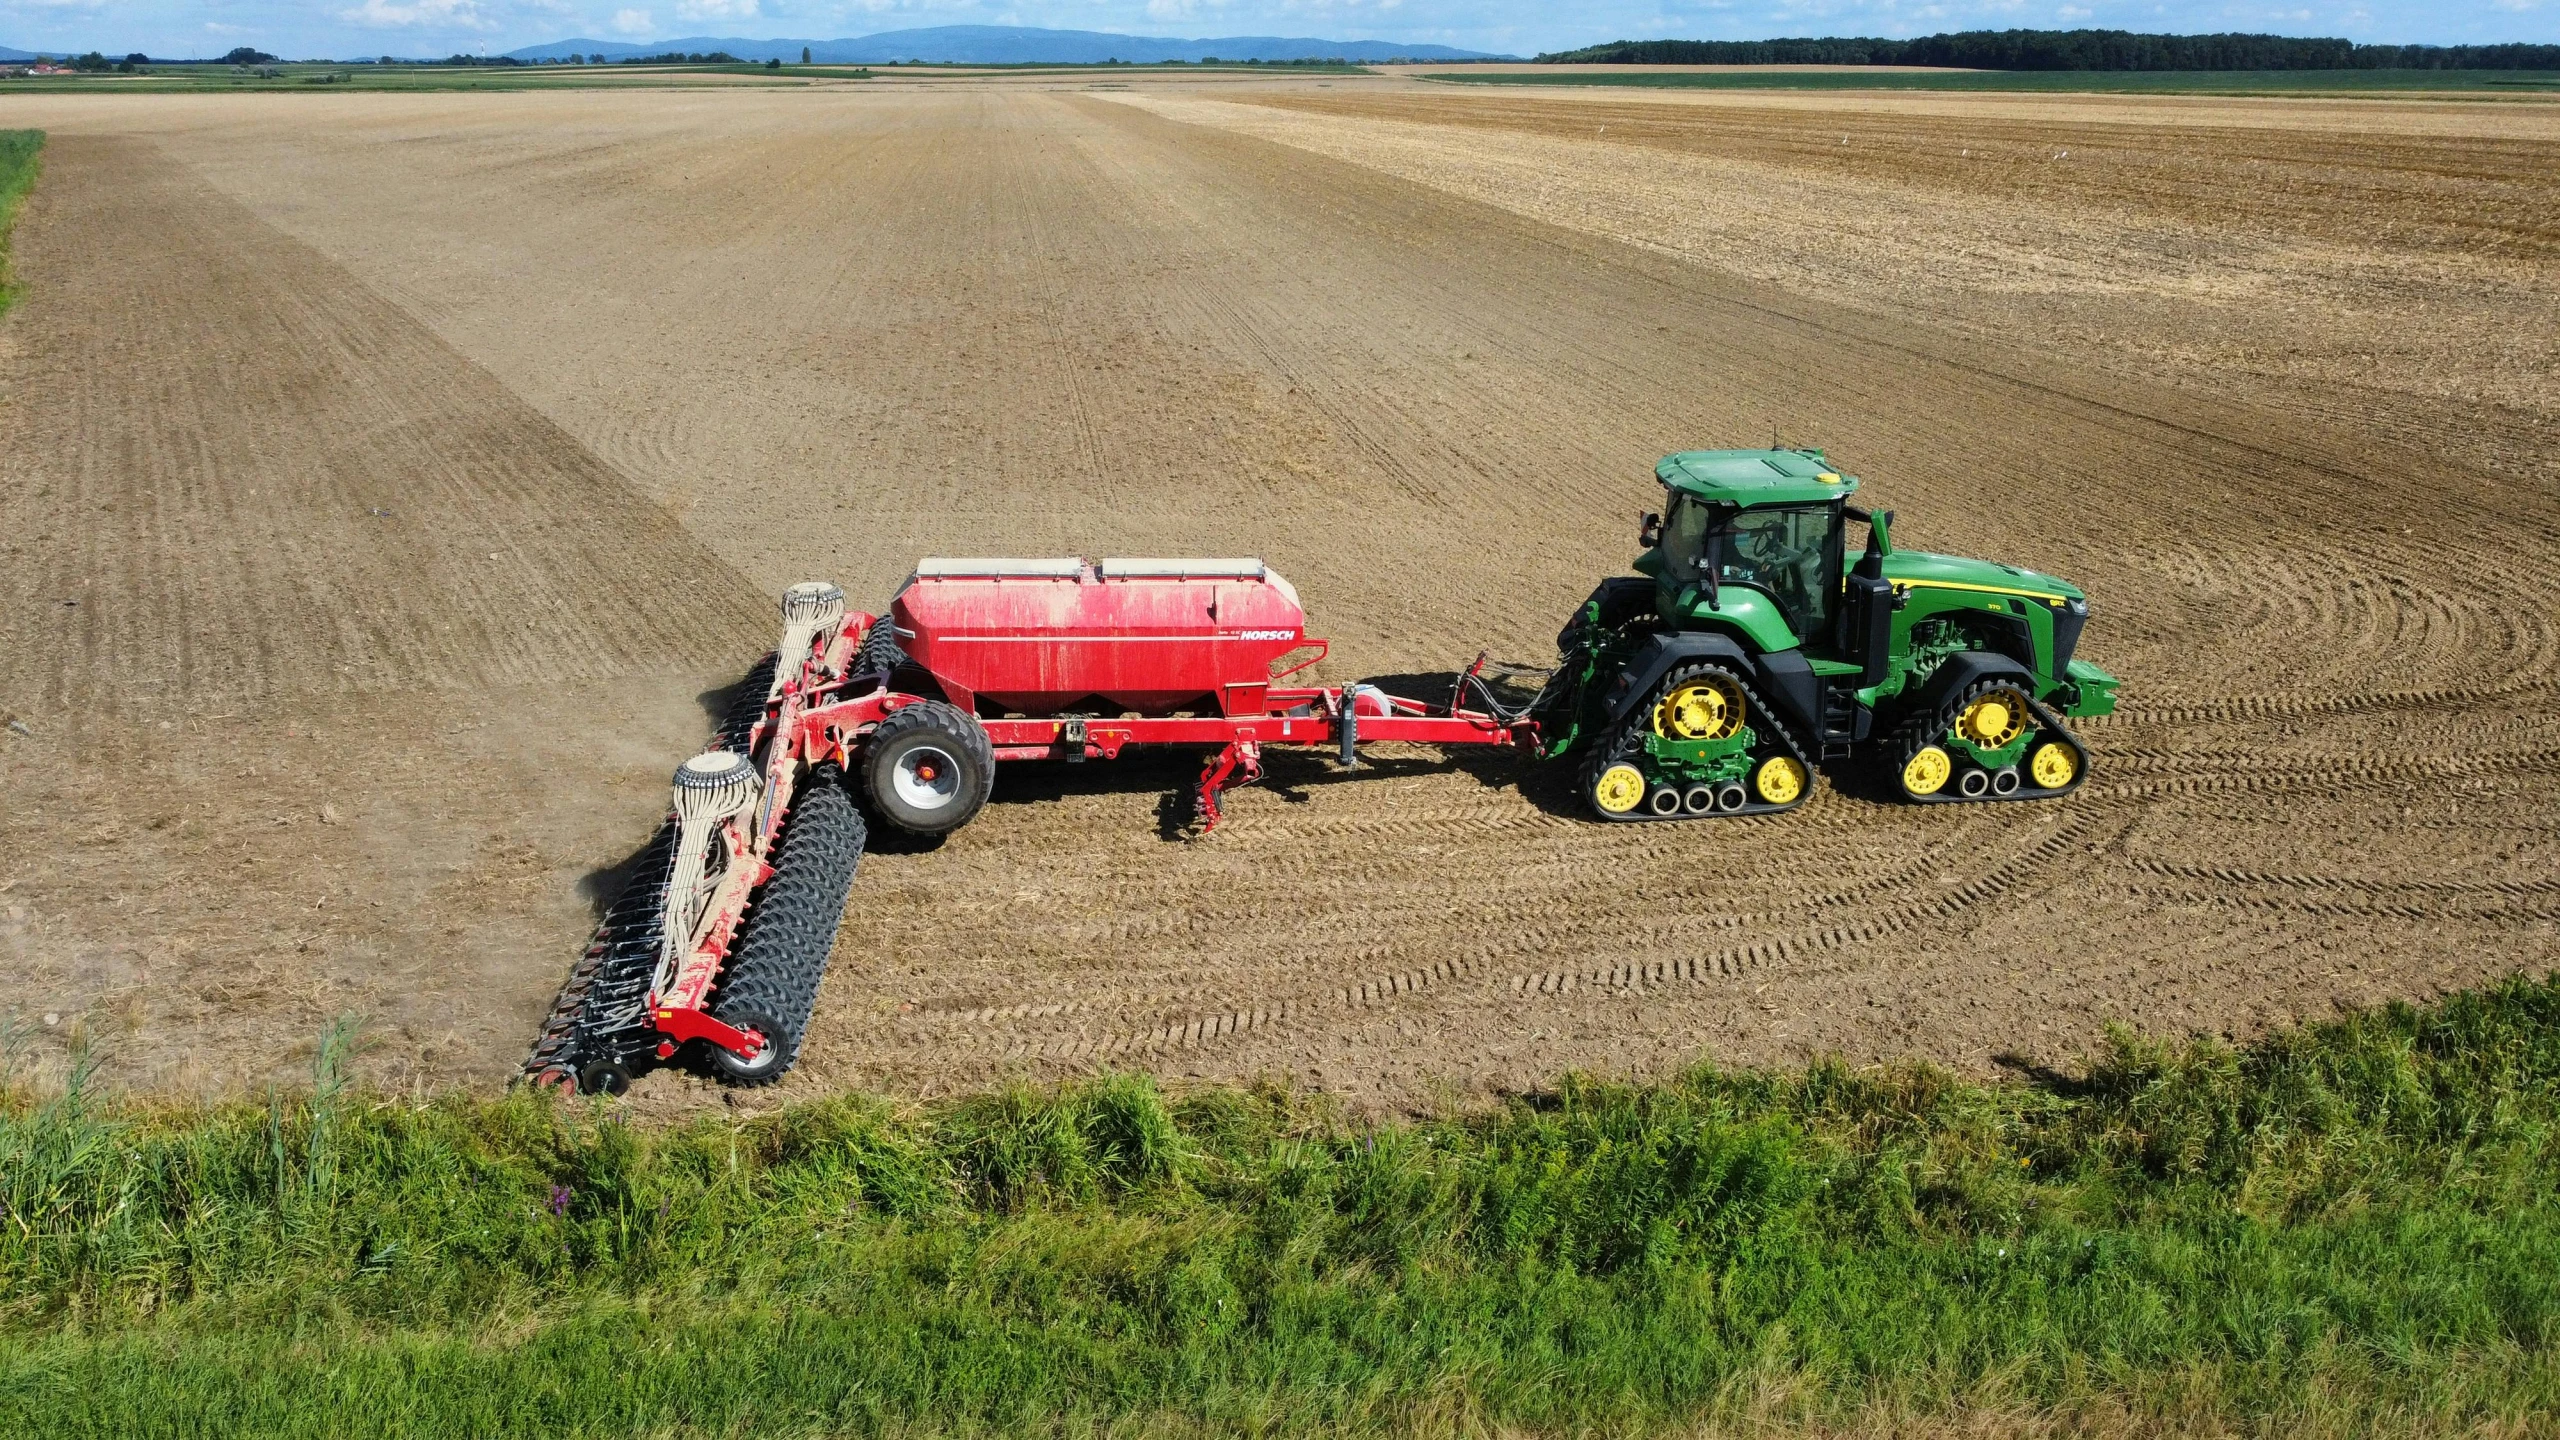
<point>1922,730</point>
<point>783,947</point>
<point>597,1014</point>
<point>1618,746</point>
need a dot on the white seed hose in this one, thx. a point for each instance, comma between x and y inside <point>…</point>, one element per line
<point>709,788</point>
<point>811,610</point>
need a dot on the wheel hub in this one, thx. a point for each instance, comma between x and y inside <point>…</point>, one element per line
<point>1992,720</point>
<point>926,779</point>
<point>2053,765</point>
<point>1704,709</point>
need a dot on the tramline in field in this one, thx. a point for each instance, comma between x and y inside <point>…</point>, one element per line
<point>1742,657</point>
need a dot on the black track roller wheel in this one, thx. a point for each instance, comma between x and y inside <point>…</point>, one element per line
<point>928,768</point>
<point>771,980</point>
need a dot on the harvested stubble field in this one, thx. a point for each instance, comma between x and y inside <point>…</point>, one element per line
<point>390,483</point>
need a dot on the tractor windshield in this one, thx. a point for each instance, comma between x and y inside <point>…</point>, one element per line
<point>1790,551</point>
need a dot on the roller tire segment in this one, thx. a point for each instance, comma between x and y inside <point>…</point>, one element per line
<point>878,654</point>
<point>770,983</point>
<point>738,727</point>
<point>1626,739</point>
<point>1919,732</point>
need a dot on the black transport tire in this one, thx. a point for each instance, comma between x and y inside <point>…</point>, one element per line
<point>928,768</point>
<point>771,981</point>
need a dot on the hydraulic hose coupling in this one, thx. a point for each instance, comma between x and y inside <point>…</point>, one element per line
<point>810,609</point>
<point>709,788</point>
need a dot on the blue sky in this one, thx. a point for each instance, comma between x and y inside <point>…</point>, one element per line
<point>339,28</point>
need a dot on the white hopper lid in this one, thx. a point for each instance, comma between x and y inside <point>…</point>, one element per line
<point>1066,569</point>
<point>1126,569</point>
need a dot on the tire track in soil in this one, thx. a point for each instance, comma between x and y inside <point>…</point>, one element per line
<point>276,484</point>
<point>369,661</point>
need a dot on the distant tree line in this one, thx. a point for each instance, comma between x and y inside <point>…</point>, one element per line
<point>678,57</point>
<point>2071,50</point>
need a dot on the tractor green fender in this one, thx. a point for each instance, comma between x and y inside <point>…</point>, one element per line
<point>1785,677</point>
<point>1964,669</point>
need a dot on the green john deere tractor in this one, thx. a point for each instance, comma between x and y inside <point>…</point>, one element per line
<point>1748,652</point>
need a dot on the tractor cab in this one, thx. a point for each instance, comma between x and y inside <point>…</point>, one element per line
<point>1754,535</point>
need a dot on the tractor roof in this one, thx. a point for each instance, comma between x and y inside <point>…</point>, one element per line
<point>1754,477</point>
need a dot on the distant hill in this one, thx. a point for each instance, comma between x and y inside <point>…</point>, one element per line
<point>1007,45</point>
<point>7,54</point>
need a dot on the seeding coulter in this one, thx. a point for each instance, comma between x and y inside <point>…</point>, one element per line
<point>1744,655</point>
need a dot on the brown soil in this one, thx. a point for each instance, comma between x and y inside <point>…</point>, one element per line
<point>661,353</point>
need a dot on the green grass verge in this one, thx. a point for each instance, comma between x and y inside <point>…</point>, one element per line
<point>18,152</point>
<point>2110,82</point>
<point>2345,1228</point>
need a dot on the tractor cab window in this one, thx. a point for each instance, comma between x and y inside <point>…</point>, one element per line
<point>1684,538</point>
<point>1792,552</point>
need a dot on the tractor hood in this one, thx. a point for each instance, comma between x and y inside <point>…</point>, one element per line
<point>1956,572</point>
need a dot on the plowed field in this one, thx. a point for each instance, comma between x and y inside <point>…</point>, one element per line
<point>388,484</point>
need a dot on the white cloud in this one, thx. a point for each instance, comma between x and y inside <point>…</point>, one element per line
<point>633,22</point>
<point>716,10</point>
<point>427,14</point>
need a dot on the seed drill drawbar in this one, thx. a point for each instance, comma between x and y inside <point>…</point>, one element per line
<point>1745,654</point>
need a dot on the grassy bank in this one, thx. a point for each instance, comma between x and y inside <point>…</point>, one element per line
<point>2475,83</point>
<point>18,152</point>
<point>2346,1228</point>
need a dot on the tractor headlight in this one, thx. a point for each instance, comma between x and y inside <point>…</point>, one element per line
<point>2079,608</point>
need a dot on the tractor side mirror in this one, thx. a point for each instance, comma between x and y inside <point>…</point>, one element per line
<point>1649,530</point>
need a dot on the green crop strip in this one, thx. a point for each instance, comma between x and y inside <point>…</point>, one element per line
<point>2345,1228</point>
<point>18,151</point>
